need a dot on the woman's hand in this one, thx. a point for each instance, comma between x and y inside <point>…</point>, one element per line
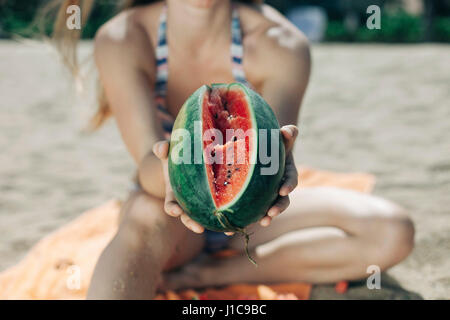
<point>290,178</point>
<point>172,208</point>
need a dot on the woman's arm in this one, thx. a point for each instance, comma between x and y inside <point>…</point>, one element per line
<point>123,54</point>
<point>284,53</point>
<point>287,62</point>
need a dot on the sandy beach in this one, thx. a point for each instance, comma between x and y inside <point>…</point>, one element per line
<point>382,109</point>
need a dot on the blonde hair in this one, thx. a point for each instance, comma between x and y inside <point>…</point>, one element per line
<point>66,41</point>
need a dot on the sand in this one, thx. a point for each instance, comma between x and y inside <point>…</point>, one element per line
<point>374,108</point>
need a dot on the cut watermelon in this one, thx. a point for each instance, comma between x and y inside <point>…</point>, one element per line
<point>228,160</point>
<point>225,191</point>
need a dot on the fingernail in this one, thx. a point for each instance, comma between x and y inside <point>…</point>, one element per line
<point>198,229</point>
<point>291,132</point>
<point>160,148</point>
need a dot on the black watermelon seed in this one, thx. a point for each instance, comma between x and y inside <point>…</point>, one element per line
<point>234,138</point>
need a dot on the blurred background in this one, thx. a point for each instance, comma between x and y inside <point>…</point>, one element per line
<point>378,102</point>
<point>405,21</point>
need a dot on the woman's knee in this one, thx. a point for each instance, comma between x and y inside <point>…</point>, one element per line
<point>144,223</point>
<point>393,235</point>
<point>142,210</point>
<point>141,214</point>
<point>401,234</point>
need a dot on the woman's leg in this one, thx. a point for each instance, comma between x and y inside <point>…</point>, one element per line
<point>326,235</point>
<point>147,242</point>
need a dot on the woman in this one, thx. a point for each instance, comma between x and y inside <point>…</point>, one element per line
<point>324,235</point>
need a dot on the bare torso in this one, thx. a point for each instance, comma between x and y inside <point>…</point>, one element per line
<point>268,38</point>
<point>364,230</point>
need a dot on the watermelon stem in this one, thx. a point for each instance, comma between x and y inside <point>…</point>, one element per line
<point>223,220</point>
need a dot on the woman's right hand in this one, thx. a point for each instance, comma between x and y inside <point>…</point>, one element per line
<point>171,206</point>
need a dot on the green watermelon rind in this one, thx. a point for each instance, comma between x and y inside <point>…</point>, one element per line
<point>190,183</point>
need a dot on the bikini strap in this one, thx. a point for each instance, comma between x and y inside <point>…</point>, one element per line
<point>237,49</point>
<point>162,54</point>
<point>162,75</point>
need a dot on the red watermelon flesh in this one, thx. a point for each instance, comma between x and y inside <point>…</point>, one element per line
<point>228,160</point>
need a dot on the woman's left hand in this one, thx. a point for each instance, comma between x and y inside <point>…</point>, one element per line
<point>290,178</point>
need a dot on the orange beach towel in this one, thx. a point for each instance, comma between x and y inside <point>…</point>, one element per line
<point>60,265</point>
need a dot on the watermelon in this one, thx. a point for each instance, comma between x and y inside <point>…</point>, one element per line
<point>218,172</point>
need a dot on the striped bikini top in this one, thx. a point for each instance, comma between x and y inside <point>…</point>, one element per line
<point>162,71</point>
